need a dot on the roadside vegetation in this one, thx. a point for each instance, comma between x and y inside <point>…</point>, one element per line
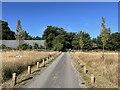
<point>106,72</point>
<point>18,61</point>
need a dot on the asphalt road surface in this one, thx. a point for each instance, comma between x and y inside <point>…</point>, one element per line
<point>60,74</point>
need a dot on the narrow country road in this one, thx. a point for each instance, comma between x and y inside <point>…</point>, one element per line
<point>60,74</point>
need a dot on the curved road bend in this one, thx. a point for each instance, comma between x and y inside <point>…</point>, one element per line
<point>60,74</point>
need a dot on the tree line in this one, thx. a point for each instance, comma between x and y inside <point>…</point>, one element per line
<point>56,38</point>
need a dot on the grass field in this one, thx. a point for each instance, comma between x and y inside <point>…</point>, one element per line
<point>17,61</point>
<point>107,68</point>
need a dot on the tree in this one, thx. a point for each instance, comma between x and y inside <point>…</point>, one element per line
<point>59,43</point>
<point>75,42</point>
<point>68,38</point>
<point>36,46</point>
<point>84,41</point>
<point>113,42</point>
<point>58,47</point>
<point>6,32</point>
<point>24,46</point>
<point>104,34</point>
<point>3,46</point>
<point>81,41</point>
<point>49,35</point>
<point>20,35</point>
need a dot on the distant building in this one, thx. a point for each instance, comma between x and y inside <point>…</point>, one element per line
<point>14,43</point>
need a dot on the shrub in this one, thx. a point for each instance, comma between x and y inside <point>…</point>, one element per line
<point>36,46</point>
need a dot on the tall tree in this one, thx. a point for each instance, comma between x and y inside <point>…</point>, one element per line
<point>81,41</point>
<point>85,40</point>
<point>104,34</point>
<point>75,42</point>
<point>20,34</point>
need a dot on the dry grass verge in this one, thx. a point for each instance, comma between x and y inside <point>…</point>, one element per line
<point>106,71</point>
<point>18,61</point>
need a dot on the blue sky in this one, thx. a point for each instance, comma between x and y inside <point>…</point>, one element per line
<point>73,17</point>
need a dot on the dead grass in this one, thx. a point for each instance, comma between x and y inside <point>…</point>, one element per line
<point>17,61</point>
<point>107,68</point>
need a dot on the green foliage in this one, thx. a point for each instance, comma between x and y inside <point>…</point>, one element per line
<point>42,47</point>
<point>85,41</point>
<point>4,47</point>
<point>113,42</point>
<point>104,32</point>
<point>25,46</point>
<point>58,43</point>
<point>75,42</point>
<point>27,36</point>
<point>81,41</point>
<point>29,47</point>
<point>5,31</point>
<point>19,35</point>
<point>99,42</point>
<point>36,46</point>
<point>68,38</point>
<point>58,39</point>
<point>7,34</point>
<point>49,35</point>
<point>58,47</point>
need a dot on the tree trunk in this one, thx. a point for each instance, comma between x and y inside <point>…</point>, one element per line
<point>103,52</point>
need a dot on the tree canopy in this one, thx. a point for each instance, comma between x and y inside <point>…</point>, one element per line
<point>58,39</point>
<point>7,34</point>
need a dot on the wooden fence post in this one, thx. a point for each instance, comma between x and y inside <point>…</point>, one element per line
<point>92,79</point>
<point>14,79</point>
<point>52,58</point>
<point>81,65</point>
<point>37,65</point>
<point>29,70</point>
<point>78,62</point>
<point>47,60</point>
<point>43,62</point>
<point>84,69</point>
